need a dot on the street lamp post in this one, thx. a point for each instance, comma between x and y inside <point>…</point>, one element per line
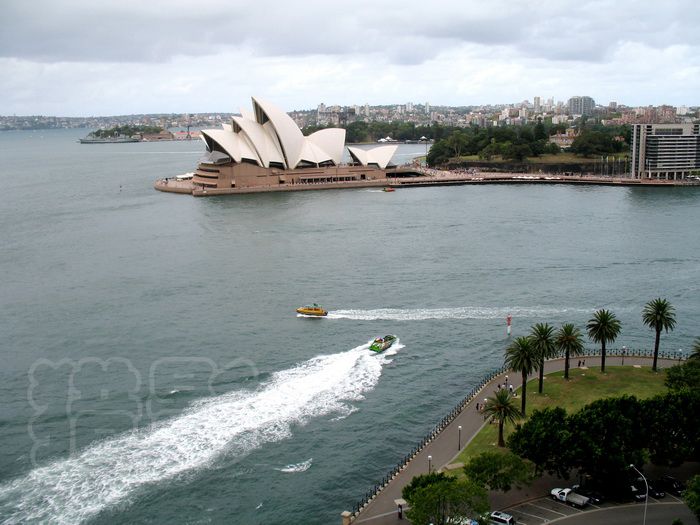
<point>459,437</point>
<point>646,499</point>
<point>430,460</point>
<point>680,355</point>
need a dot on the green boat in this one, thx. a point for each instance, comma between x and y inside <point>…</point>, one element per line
<point>381,344</point>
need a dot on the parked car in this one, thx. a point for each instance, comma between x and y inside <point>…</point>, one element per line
<point>672,485</point>
<point>637,491</point>
<point>655,490</point>
<point>569,496</point>
<point>501,517</point>
<point>595,496</point>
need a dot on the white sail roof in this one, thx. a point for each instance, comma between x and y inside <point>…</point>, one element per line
<point>380,156</point>
<point>330,140</point>
<point>267,135</point>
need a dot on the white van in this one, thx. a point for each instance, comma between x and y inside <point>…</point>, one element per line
<point>501,517</point>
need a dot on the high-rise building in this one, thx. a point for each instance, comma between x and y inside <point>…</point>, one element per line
<point>427,108</point>
<point>581,105</point>
<point>665,151</point>
<point>409,107</point>
<point>537,104</point>
<point>613,105</point>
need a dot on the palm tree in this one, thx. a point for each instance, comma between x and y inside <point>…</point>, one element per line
<point>570,341</point>
<point>659,315</point>
<point>604,327</point>
<point>521,356</point>
<point>502,407</point>
<point>542,336</point>
<point>695,349</point>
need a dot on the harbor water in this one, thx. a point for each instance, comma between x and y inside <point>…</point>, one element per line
<point>154,367</point>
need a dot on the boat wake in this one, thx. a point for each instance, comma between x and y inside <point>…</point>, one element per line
<point>116,470</point>
<point>298,467</point>
<point>465,312</point>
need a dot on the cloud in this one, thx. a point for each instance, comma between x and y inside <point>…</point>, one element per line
<point>81,57</point>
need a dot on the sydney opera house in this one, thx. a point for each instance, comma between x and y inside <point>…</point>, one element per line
<point>264,150</point>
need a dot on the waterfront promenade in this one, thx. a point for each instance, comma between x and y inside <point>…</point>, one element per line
<point>411,176</point>
<point>441,451</point>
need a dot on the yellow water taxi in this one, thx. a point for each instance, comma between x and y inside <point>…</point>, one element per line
<point>312,309</point>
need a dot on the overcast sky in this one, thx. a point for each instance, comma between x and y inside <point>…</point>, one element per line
<point>114,57</point>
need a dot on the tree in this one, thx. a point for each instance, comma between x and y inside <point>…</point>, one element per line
<point>457,142</point>
<point>570,341</point>
<point>494,148</point>
<point>683,376</point>
<point>522,357</point>
<point>506,134</point>
<point>691,496</point>
<point>356,132</point>
<point>607,436</point>
<point>446,499</point>
<point>502,408</point>
<point>590,143</point>
<point>542,336</point>
<point>695,349</point>
<point>424,480</point>
<point>518,152</point>
<point>673,426</point>
<point>526,135</point>
<point>658,315</point>
<point>540,132</point>
<point>439,153</point>
<point>498,471</point>
<point>604,327</point>
<point>544,440</point>
<point>553,148</point>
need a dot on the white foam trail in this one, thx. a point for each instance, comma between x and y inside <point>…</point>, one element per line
<point>298,467</point>
<point>112,471</point>
<point>465,312</point>
<point>343,416</point>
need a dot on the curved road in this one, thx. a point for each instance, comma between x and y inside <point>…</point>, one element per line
<point>382,510</point>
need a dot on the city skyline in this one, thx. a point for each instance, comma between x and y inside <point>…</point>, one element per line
<point>82,59</point>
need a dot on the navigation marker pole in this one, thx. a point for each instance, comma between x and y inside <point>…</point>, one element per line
<point>509,325</point>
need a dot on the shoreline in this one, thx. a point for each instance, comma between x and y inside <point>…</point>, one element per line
<point>422,177</point>
<point>459,427</point>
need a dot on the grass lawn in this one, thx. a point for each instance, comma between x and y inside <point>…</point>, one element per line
<point>562,157</point>
<point>583,387</point>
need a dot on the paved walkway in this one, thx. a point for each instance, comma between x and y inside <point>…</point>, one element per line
<point>442,450</point>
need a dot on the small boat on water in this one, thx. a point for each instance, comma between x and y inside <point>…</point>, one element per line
<point>389,189</point>
<point>312,309</point>
<point>382,343</point>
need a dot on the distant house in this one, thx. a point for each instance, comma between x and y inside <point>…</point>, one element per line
<point>184,135</point>
<point>564,140</point>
